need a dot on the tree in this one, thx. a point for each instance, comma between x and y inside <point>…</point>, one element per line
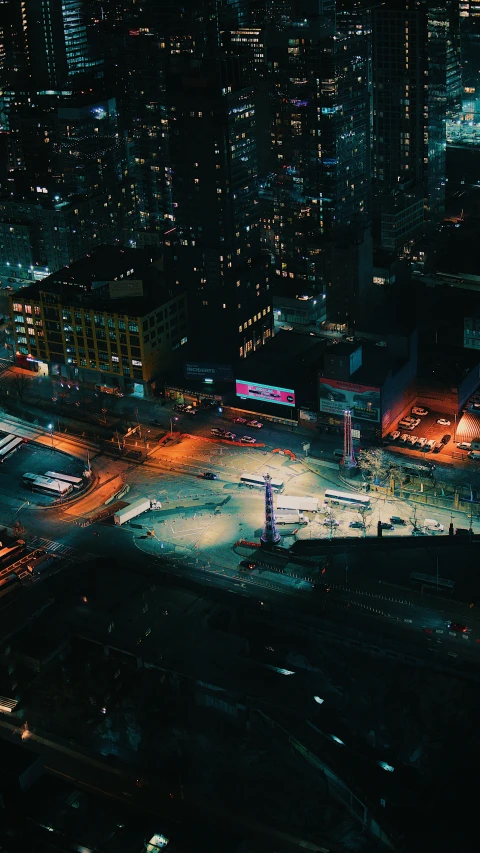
<point>366,518</point>
<point>331,522</point>
<point>21,385</point>
<point>375,465</point>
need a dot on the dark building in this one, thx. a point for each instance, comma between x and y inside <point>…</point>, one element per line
<point>320,136</point>
<point>416,81</point>
<point>214,247</point>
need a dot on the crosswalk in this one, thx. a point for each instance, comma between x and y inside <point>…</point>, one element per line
<point>61,550</point>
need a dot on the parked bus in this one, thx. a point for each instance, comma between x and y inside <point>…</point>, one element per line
<point>9,583</point>
<point>6,440</point>
<point>56,488</point>
<point>11,551</point>
<point>257,480</point>
<point>346,498</point>
<point>10,448</point>
<point>432,582</point>
<point>76,482</point>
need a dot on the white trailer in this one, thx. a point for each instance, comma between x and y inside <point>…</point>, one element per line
<point>301,504</point>
<point>131,511</point>
<point>291,518</point>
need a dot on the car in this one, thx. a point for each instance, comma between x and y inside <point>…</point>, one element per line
<point>247,439</point>
<point>230,435</point>
<point>443,422</point>
<point>457,626</point>
<point>179,407</point>
<point>256,424</point>
<point>239,421</point>
<point>464,445</point>
<point>331,522</point>
<point>386,525</point>
<point>189,410</point>
<point>412,440</point>
<point>246,564</point>
<point>476,405</point>
<point>446,438</point>
<point>394,435</point>
<point>430,445</point>
<point>438,447</point>
<point>407,424</point>
<point>421,443</point>
<point>419,410</point>
<point>403,438</point>
<point>208,475</point>
<point>395,519</point>
<point>217,431</point>
<point>358,525</point>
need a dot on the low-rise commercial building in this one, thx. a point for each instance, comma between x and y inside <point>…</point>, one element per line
<point>108,318</point>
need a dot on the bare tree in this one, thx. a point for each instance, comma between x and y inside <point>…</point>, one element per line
<point>365,517</point>
<point>331,522</point>
<point>377,466</point>
<point>21,385</point>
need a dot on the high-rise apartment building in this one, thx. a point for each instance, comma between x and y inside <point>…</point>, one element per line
<point>215,241</point>
<point>320,137</point>
<point>416,82</point>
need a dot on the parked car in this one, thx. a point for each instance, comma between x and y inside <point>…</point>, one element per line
<point>395,519</point>
<point>430,445</point>
<point>230,435</point>
<point>247,439</point>
<point>189,410</point>
<point>179,407</point>
<point>394,435</point>
<point>331,522</point>
<point>464,445</point>
<point>357,524</point>
<point>386,525</point>
<point>446,438</point>
<point>438,447</point>
<point>443,422</point>
<point>217,431</point>
<point>420,443</point>
<point>209,475</point>
<point>419,410</point>
<point>239,420</point>
<point>412,440</point>
<point>403,438</point>
<point>256,424</point>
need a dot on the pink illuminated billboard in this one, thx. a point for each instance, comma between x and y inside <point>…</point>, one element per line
<point>267,393</point>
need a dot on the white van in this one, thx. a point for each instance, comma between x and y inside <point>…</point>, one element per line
<point>430,525</point>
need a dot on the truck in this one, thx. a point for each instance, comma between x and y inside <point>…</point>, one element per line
<point>39,562</point>
<point>291,518</point>
<point>431,525</point>
<point>302,504</point>
<point>132,510</point>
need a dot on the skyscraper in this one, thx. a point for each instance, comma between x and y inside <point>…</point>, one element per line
<point>215,245</point>
<point>320,135</point>
<point>415,74</point>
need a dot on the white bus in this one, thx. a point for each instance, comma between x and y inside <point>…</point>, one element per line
<point>6,440</point>
<point>76,482</point>
<point>37,483</point>
<point>346,498</point>
<point>258,481</point>
<point>10,448</point>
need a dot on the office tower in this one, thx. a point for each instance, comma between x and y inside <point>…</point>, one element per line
<point>57,47</point>
<point>415,73</point>
<point>215,246</point>
<point>320,134</point>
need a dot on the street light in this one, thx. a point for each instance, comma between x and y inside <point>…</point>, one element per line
<point>171,425</point>
<point>50,427</point>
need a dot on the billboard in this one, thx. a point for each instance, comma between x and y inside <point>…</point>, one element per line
<point>203,370</point>
<point>266,393</point>
<point>362,400</point>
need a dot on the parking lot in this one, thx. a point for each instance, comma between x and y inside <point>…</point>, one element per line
<point>35,459</point>
<point>427,429</point>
